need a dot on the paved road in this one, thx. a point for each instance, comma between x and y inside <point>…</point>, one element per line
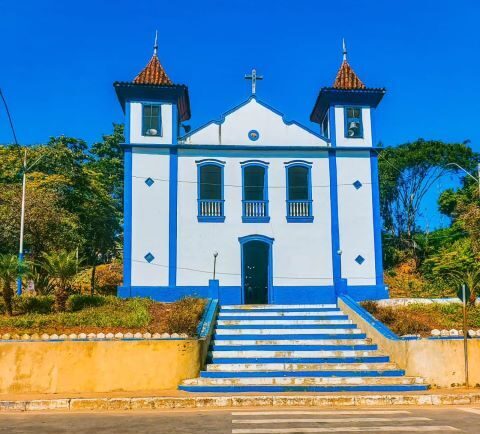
<point>255,421</point>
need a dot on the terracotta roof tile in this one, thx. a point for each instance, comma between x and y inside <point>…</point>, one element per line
<point>347,79</point>
<point>153,73</point>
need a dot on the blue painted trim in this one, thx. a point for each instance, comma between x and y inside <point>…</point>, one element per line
<point>299,219</point>
<point>210,147</point>
<point>264,165</point>
<point>295,347</point>
<point>160,123</point>
<point>253,135</point>
<point>127,214</point>
<point>126,131</point>
<point>200,165</point>
<point>298,162</point>
<point>173,202</point>
<point>336,256</point>
<point>266,240</point>
<point>255,162</point>
<point>368,318</point>
<point>377,219</point>
<point>362,359</point>
<point>205,327</point>
<point>268,317</point>
<point>253,97</point>
<point>286,326</point>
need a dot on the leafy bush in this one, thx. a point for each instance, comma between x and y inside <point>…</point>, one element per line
<point>107,278</point>
<point>184,316</point>
<point>42,304</point>
<point>78,302</point>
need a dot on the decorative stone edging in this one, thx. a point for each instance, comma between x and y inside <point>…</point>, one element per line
<point>91,336</point>
<point>150,403</point>
<point>454,333</point>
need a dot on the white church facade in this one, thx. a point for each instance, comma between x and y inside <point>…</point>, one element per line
<point>251,207</point>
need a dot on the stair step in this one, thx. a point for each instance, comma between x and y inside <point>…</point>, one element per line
<point>287,337</point>
<point>272,319</point>
<point>240,342</point>
<point>281,310</point>
<point>299,367</point>
<point>303,381</point>
<point>255,353</point>
<point>279,306</point>
<point>289,373</point>
<point>290,359</point>
<point>322,389</point>
<point>285,327</point>
<point>260,331</point>
<point>287,315</point>
<point>289,322</point>
<point>294,348</point>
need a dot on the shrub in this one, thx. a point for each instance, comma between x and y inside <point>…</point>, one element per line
<point>78,302</point>
<point>184,316</point>
<point>42,304</point>
<point>107,278</point>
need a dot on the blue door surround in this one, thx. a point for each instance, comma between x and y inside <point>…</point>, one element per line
<point>269,242</point>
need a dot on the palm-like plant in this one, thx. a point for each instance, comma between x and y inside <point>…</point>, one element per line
<point>61,267</point>
<point>10,269</point>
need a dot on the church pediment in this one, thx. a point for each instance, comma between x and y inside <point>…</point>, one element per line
<point>254,122</point>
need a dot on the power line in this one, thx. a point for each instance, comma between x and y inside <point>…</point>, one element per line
<point>9,117</point>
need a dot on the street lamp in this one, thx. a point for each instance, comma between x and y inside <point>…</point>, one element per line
<point>215,254</point>
<point>477,179</point>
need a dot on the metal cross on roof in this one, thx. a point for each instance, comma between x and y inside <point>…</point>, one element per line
<point>254,77</point>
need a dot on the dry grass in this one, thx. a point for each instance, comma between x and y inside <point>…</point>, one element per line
<point>115,315</point>
<point>422,318</point>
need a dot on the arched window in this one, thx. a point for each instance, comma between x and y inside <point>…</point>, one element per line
<point>299,192</point>
<point>255,192</point>
<point>210,192</point>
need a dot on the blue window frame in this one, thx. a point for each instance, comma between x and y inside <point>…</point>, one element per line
<point>255,192</point>
<point>353,122</point>
<point>299,191</point>
<point>151,119</point>
<point>210,191</point>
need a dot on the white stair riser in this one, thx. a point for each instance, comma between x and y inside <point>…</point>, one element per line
<point>294,354</point>
<point>279,314</point>
<point>292,322</point>
<point>289,331</point>
<point>294,342</point>
<point>305,381</point>
<point>279,306</point>
<point>255,367</point>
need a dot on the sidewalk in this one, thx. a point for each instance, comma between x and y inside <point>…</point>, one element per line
<point>175,399</point>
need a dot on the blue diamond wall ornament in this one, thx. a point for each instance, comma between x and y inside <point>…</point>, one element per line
<point>357,184</point>
<point>149,257</point>
<point>149,182</point>
<point>360,259</point>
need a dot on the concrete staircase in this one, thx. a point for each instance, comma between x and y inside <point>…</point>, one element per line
<point>295,348</point>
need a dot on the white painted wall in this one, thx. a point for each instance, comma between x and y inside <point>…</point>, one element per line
<point>301,251</point>
<point>254,116</point>
<point>355,216</point>
<point>341,140</point>
<point>150,216</point>
<point>136,125</point>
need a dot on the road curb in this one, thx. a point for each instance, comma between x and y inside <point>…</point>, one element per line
<point>219,402</point>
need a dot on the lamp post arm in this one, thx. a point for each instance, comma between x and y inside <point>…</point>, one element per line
<point>463,170</point>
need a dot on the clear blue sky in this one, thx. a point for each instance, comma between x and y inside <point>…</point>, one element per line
<point>60,58</point>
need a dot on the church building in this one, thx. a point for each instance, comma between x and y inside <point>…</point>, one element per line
<point>252,207</point>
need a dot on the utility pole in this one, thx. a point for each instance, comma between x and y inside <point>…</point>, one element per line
<point>22,218</point>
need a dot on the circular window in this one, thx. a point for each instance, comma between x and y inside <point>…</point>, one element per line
<point>253,135</point>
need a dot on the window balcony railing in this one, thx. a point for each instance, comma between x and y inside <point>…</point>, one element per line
<point>211,210</point>
<point>255,211</point>
<point>299,210</point>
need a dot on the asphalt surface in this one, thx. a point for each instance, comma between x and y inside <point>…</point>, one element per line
<point>250,421</point>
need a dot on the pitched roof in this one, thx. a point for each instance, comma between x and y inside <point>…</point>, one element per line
<point>153,73</point>
<point>347,79</point>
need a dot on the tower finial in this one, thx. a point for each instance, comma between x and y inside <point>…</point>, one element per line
<point>344,49</point>
<point>155,46</point>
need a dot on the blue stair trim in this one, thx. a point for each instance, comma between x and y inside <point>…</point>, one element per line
<point>266,388</point>
<point>298,309</point>
<point>286,337</point>
<point>293,326</point>
<point>364,359</point>
<point>282,318</point>
<point>334,373</point>
<point>298,347</point>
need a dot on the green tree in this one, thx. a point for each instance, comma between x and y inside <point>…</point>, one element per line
<point>61,267</point>
<point>10,269</point>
